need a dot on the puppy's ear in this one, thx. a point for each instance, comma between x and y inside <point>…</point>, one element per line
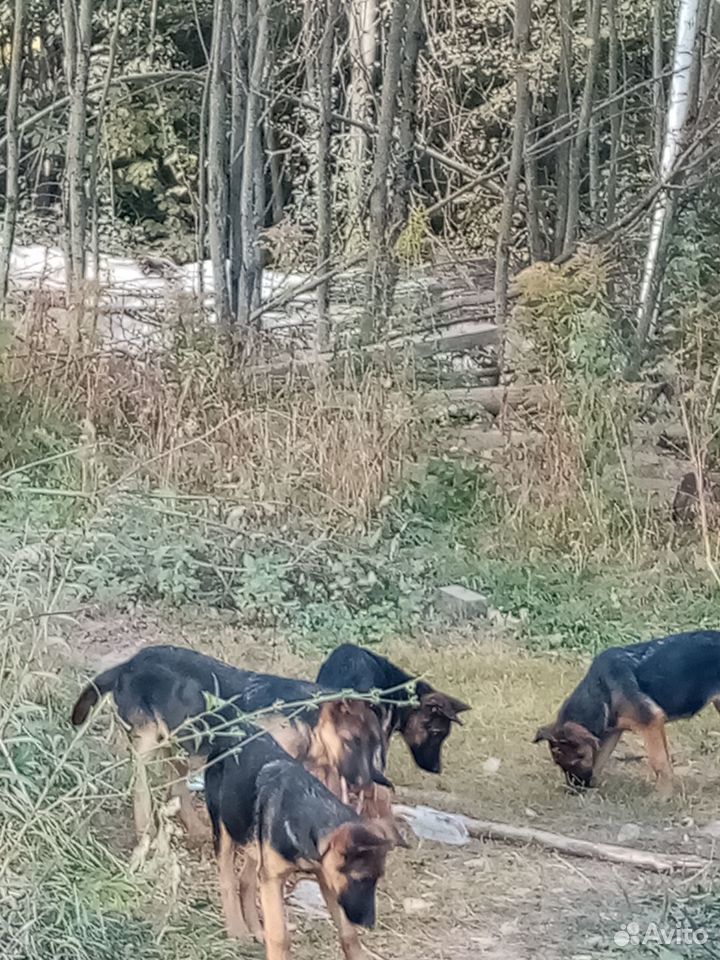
<point>338,840</point>
<point>444,705</point>
<point>458,705</point>
<point>545,733</point>
<point>388,828</point>
<point>370,835</point>
<point>576,733</point>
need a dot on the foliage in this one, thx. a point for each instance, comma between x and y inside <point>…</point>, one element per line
<point>568,342</point>
<point>66,891</point>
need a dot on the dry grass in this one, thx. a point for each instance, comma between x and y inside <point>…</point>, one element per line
<point>486,899</point>
<point>321,449</point>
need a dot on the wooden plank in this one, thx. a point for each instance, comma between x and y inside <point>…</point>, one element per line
<point>456,338</point>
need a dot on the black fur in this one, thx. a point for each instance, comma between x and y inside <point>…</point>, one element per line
<point>424,724</point>
<point>169,683</point>
<point>680,673</point>
<point>259,793</point>
<point>350,667</point>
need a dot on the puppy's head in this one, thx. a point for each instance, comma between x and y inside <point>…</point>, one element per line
<point>574,749</point>
<point>429,725</point>
<point>352,861</point>
<point>350,737</point>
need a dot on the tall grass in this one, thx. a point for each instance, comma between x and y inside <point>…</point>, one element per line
<point>66,889</point>
<point>193,420</point>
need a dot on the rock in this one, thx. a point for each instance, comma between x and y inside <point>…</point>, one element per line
<point>414,906</point>
<point>429,824</point>
<point>491,766</point>
<point>459,603</point>
<point>628,832</point>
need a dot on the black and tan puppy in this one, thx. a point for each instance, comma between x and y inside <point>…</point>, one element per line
<point>163,690</point>
<point>424,726</point>
<point>264,802</point>
<point>638,688</point>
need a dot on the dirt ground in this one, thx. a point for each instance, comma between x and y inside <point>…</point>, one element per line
<point>487,899</point>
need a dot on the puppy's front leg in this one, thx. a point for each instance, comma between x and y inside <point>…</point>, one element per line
<point>349,939</point>
<point>229,895</point>
<point>277,940</point>
<point>248,892</point>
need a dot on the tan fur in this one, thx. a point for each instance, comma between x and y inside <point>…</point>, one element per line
<point>655,739</point>
<point>231,904</point>
<point>197,829</point>
<point>295,738</point>
<point>147,742</point>
<point>265,865</point>
<point>349,940</point>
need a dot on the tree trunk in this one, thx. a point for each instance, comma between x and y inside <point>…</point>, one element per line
<point>662,217</point>
<point>710,61</point>
<point>658,66</point>
<point>238,94</point>
<point>362,47</point>
<point>251,269</point>
<point>379,281</point>
<point>593,152</point>
<point>12,190</point>
<point>563,116</point>
<point>615,116</point>
<point>203,134</point>
<point>577,151</point>
<point>521,44</point>
<point>77,30</point>
<point>99,117</point>
<point>698,61</point>
<point>536,244</point>
<point>275,169</point>
<point>217,180</point>
<point>414,41</point>
<point>324,172</point>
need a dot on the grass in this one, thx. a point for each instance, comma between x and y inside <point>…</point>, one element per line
<point>66,890</point>
<point>186,502</point>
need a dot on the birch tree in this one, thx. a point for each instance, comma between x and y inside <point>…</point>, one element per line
<point>362,49</point>
<point>324,173</point>
<point>679,107</point>
<point>217,163</point>
<point>577,150</point>
<point>379,283</point>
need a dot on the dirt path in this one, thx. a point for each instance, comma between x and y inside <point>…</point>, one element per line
<point>488,899</point>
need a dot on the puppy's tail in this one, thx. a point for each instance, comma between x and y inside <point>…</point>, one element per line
<point>93,692</point>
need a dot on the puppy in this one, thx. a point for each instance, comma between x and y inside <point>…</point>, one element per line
<point>424,726</point>
<point>165,689</point>
<point>640,688</point>
<point>261,800</point>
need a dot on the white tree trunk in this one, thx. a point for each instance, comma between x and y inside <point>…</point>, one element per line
<point>362,46</point>
<point>677,114</point>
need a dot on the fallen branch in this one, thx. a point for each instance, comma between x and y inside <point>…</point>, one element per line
<point>492,399</point>
<point>612,852</point>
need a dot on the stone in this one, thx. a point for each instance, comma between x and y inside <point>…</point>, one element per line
<point>628,832</point>
<point>414,906</point>
<point>491,766</point>
<point>459,603</point>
